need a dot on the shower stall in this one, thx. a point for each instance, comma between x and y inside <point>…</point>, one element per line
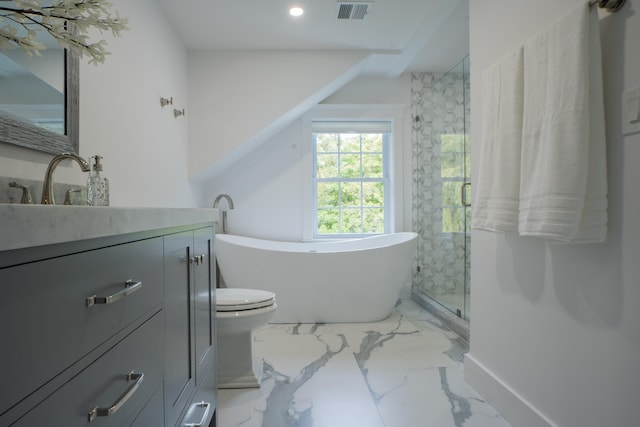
<point>441,188</point>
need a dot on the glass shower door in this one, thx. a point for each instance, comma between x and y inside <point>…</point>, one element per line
<point>442,212</point>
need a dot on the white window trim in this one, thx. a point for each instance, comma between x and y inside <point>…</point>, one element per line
<point>399,162</point>
<point>385,179</point>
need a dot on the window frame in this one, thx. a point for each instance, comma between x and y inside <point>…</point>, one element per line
<point>358,127</point>
<point>400,159</point>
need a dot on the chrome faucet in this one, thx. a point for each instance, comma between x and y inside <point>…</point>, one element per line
<point>216,202</point>
<point>47,188</point>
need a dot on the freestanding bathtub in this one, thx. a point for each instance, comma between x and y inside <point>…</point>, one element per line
<point>355,280</point>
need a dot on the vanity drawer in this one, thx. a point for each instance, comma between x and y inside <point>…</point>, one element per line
<point>46,321</point>
<point>104,385</point>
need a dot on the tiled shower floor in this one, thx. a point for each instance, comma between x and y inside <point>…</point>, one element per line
<point>404,371</point>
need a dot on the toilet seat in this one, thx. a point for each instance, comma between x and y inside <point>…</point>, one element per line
<point>238,299</point>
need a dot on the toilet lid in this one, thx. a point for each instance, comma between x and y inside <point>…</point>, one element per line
<point>236,299</point>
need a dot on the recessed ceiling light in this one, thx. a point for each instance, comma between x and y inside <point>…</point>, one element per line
<point>296,11</point>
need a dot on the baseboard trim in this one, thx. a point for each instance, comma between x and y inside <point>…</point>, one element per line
<point>456,324</point>
<point>512,406</point>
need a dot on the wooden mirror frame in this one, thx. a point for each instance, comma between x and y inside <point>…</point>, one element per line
<point>25,134</point>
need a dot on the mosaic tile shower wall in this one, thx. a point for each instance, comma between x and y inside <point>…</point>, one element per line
<point>440,108</point>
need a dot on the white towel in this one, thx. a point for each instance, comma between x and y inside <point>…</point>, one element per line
<point>497,186</point>
<point>563,182</point>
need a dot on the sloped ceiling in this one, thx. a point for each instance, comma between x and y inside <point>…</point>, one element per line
<point>228,39</point>
<point>410,35</point>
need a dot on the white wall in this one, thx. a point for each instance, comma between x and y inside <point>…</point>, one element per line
<point>266,188</point>
<point>555,335</point>
<point>144,147</point>
<point>267,184</point>
<point>374,90</point>
<point>238,99</point>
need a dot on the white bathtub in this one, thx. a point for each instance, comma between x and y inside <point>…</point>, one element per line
<point>355,280</point>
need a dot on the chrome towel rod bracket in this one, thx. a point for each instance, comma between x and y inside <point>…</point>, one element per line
<point>610,5</point>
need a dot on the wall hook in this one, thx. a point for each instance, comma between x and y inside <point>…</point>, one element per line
<point>610,5</point>
<point>165,101</point>
<point>178,113</point>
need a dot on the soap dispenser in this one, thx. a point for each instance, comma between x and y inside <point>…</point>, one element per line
<point>97,185</point>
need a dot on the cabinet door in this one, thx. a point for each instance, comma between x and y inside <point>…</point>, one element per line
<point>204,300</point>
<point>190,313</point>
<point>180,341</point>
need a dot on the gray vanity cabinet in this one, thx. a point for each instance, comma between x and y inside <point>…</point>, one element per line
<point>189,306</point>
<point>111,331</point>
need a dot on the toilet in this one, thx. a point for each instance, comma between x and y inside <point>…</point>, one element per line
<point>238,313</point>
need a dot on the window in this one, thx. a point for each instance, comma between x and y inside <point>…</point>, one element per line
<point>350,177</point>
<point>455,167</point>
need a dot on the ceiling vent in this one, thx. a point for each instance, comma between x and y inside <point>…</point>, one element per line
<point>353,10</point>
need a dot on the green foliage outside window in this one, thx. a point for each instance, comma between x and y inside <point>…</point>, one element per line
<point>455,168</point>
<point>349,172</point>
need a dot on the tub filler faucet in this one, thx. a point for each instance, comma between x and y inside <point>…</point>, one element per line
<point>216,202</point>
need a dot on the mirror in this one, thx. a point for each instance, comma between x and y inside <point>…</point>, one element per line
<point>51,135</point>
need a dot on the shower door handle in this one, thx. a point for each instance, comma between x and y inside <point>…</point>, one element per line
<point>463,195</point>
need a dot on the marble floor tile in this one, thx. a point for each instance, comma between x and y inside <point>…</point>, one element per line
<point>437,397</point>
<point>403,371</point>
<point>235,406</point>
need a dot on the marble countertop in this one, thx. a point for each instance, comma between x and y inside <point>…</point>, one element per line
<point>23,226</point>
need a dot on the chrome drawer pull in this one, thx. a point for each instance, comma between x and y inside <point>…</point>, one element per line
<point>129,287</point>
<point>105,412</point>
<point>206,406</point>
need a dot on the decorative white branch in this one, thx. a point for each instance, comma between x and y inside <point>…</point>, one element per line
<point>68,21</point>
